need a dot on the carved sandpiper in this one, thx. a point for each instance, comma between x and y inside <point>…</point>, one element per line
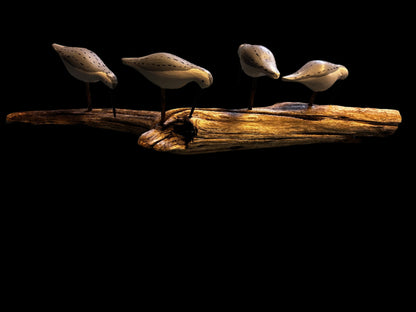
<point>169,71</point>
<point>318,76</point>
<point>86,66</point>
<point>257,61</point>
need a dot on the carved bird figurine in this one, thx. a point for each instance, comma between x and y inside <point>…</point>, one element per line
<point>318,76</point>
<point>169,71</point>
<point>257,61</point>
<point>86,66</point>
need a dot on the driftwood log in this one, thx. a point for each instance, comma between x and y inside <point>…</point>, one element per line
<point>127,120</point>
<point>215,129</point>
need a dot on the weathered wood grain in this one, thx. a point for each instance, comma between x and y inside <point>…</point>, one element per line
<point>282,124</point>
<point>127,120</point>
<point>216,129</point>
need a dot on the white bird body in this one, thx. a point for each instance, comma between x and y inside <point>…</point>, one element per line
<point>171,79</point>
<point>85,65</point>
<point>169,71</point>
<point>318,75</point>
<point>257,61</point>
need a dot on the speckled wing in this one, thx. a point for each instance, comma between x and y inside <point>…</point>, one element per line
<point>160,62</point>
<point>248,58</point>
<point>81,59</point>
<point>256,57</point>
<point>313,69</point>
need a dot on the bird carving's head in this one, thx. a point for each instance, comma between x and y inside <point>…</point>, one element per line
<point>109,79</point>
<point>343,72</point>
<point>203,77</point>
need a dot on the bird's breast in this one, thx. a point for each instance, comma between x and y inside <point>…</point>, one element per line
<point>252,71</point>
<point>169,79</point>
<point>319,84</point>
<point>81,74</point>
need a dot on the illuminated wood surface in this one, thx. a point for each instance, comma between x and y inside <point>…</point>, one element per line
<point>216,129</point>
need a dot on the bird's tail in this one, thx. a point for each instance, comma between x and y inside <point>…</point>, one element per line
<point>57,47</point>
<point>289,77</point>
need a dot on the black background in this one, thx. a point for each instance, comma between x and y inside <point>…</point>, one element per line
<point>341,208</point>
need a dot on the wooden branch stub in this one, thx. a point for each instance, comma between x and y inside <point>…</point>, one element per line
<point>215,129</point>
<point>282,124</point>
